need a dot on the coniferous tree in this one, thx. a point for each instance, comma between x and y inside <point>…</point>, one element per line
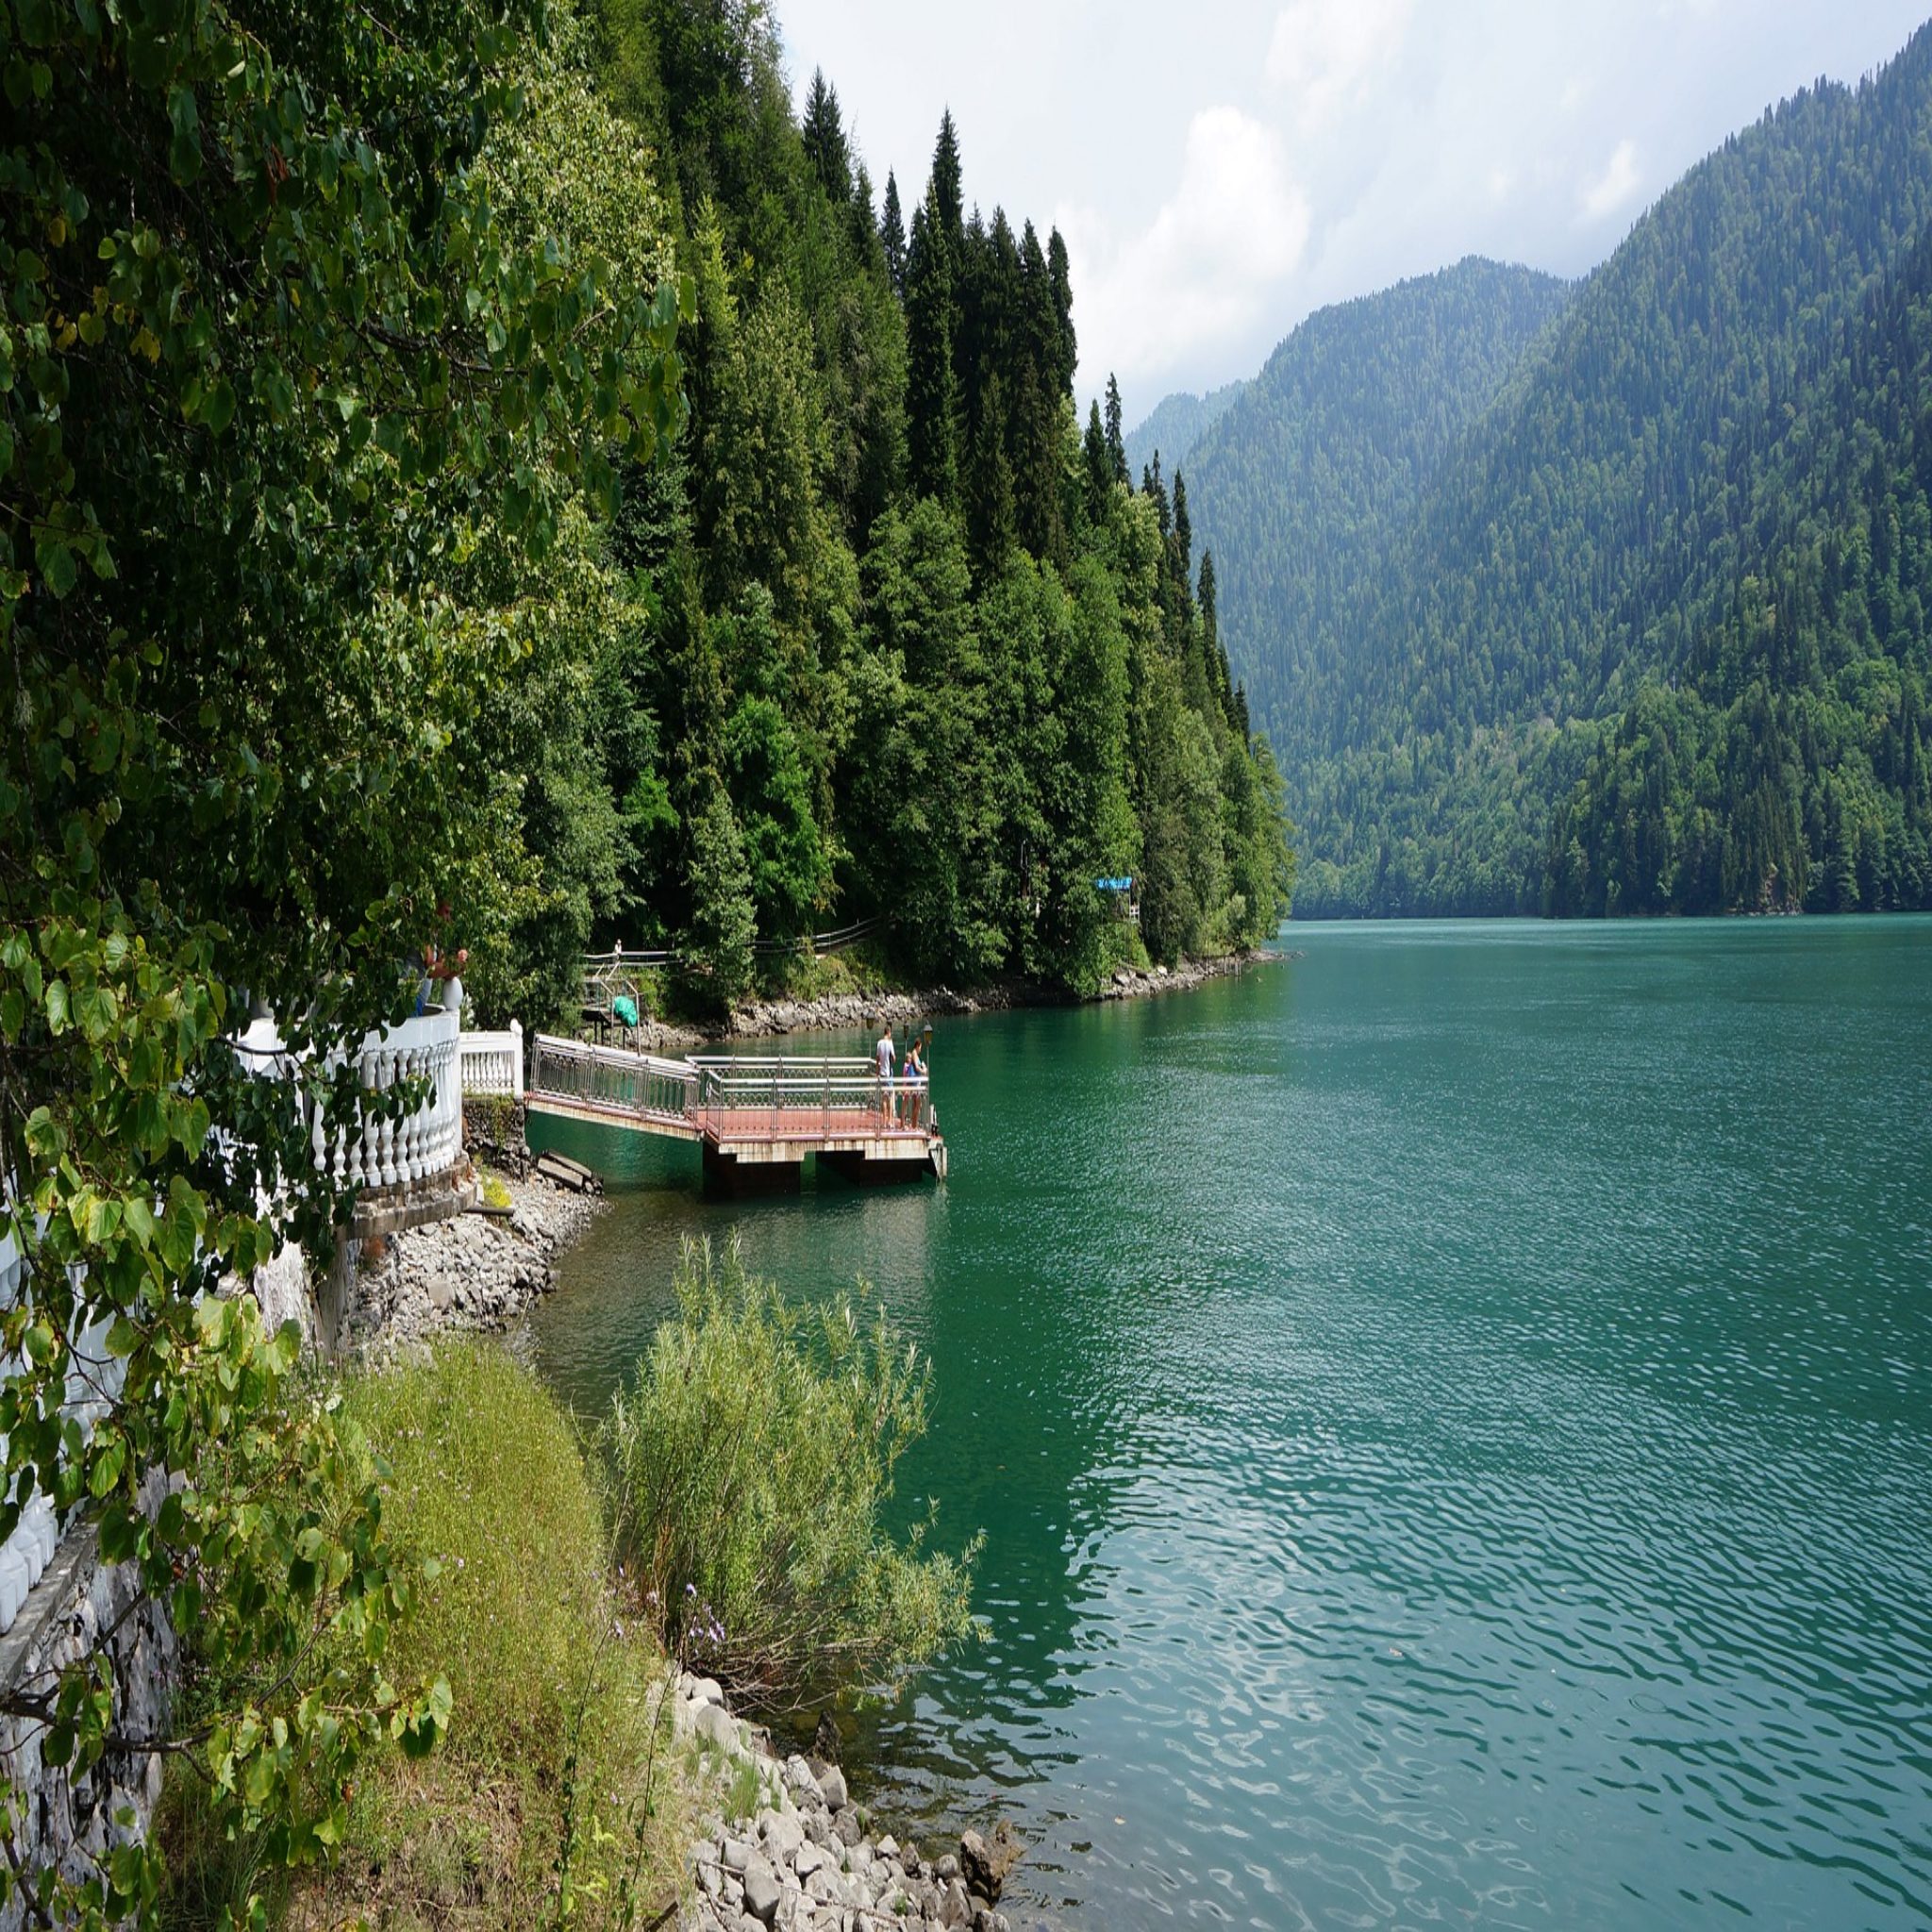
<point>824,135</point>
<point>1116,445</point>
<point>946,187</point>
<point>1098,466</point>
<point>989,487</point>
<point>893,236</point>
<point>1060,270</point>
<point>931,394</point>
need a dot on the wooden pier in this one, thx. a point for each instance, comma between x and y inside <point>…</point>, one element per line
<point>754,1118</point>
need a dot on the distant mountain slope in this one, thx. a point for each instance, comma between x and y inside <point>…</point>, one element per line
<point>1299,488</point>
<point>1177,423</point>
<point>1652,633</point>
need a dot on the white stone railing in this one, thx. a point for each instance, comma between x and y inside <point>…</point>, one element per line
<point>377,1153</point>
<point>399,1153</point>
<point>493,1063</point>
<point>94,1380</point>
<point>386,1152</point>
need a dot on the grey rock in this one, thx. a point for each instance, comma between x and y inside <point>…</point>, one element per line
<point>717,1725</point>
<point>763,1891</point>
<point>948,1867</point>
<point>985,1862</point>
<point>735,1855</point>
<point>704,1690</point>
<point>832,1785</point>
<point>956,1908</point>
<point>784,1837</point>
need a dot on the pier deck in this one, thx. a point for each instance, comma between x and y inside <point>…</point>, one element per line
<point>755,1118</point>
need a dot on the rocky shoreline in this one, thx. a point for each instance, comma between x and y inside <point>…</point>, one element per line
<point>860,1011</point>
<point>801,1860</point>
<point>479,1272</point>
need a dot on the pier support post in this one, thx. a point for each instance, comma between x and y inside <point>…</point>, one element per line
<point>725,1174</point>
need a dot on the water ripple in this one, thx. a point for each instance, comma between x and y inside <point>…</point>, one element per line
<point>1451,1420</point>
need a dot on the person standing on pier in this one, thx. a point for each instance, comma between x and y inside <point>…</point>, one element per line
<point>885,1051</point>
<point>912,1080</point>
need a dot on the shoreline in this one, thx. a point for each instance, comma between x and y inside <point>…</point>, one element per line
<point>857,1012</point>
<point>804,1856</point>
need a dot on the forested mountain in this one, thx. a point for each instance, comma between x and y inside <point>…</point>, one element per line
<point>1176,423</point>
<point>1300,487</point>
<point>892,637</point>
<point>1652,637</point>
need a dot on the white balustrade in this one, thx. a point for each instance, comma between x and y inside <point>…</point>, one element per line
<point>94,1380</point>
<point>389,1153</point>
<point>493,1063</point>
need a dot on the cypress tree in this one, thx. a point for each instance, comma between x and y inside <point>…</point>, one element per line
<point>931,394</point>
<point>893,236</point>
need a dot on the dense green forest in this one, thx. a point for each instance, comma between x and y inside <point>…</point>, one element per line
<point>489,475</point>
<point>897,639</point>
<point>1650,634</point>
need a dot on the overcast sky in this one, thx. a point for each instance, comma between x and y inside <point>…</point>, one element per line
<point>1220,169</point>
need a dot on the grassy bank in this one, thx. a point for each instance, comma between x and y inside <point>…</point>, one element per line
<point>554,1800</point>
<point>729,1515</point>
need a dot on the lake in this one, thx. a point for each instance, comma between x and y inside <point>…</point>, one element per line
<point>1451,1416</point>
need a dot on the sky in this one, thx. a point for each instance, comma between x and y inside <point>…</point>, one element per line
<point>1220,170</point>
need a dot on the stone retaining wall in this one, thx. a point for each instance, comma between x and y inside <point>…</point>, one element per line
<point>82,1606</point>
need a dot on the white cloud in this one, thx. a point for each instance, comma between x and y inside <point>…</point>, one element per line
<point>1614,187</point>
<point>1201,272</point>
<point>1324,53</point>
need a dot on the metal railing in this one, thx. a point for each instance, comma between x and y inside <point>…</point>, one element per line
<point>798,1094</point>
<point>787,1096</point>
<point>608,1076</point>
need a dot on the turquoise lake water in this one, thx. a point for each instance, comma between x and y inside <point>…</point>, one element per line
<point>1451,1416</point>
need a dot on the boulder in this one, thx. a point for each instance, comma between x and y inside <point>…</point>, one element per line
<point>832,1788</point>
<point>985,1862</point>
<point>717,1725</point>
<point>763,1891</point>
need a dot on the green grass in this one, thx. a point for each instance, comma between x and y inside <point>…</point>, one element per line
<point>554,1799</point>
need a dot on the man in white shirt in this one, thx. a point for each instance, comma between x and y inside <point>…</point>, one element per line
<point>885,1051</point>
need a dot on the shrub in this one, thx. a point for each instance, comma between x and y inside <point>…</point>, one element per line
<point>752,1468</point>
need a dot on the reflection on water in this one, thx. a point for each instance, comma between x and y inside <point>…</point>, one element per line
<point>1450,1417</point>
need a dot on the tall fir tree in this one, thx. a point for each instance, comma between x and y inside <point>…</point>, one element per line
<point>1062,273</point>
<point>893,236</point>
<point>824,135</point>
<point>988,488</point>
<point>931,392</point>
<point>1097,464</point>
<point>1116,442</point>
<point>947,189</point>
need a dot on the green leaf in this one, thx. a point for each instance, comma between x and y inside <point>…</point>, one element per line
<point>184,150</point>
<point>56,560</point>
